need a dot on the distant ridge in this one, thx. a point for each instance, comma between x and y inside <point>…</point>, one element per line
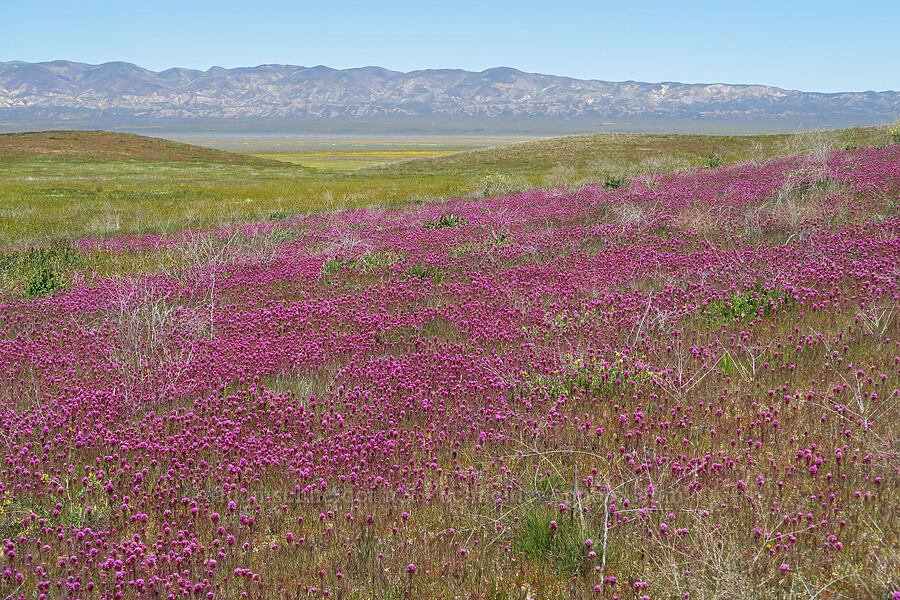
<point>63,91</point>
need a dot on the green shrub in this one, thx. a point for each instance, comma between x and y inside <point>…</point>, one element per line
<point>38,271</point>
<point>446,221</point>
<point>614,183</point>
<point>714,160</point>
<point>895,133</point>
<point>757,302</point>
<point>44,281</point>
<point>601,377</point>
<point>550,484</point>
<point>333,266</point>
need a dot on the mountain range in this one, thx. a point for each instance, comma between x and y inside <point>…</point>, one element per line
<point>64,92</point>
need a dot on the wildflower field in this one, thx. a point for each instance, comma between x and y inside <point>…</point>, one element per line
<point>679,385</point>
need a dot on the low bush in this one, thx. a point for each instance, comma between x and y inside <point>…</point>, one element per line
<point>448,220</point>
<point>423,271</point>
<point>714,160</point>
<point>38,271</point>
<point>615,182</point>
<point>758,302</point>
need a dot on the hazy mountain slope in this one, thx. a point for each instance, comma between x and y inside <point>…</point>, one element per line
<point>62,90</point>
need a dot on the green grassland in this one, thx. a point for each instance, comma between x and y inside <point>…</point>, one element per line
<point>348,160</point>
<point>81,184</point>
<point>343,152</point>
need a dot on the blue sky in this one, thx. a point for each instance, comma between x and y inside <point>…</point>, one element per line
<point>814,46</point>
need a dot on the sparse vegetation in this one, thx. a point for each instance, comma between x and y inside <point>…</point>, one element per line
<point>367,263</point>
<point>501,184</point>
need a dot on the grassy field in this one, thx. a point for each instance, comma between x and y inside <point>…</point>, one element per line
<point>589,156</point>
<point>343,153</point>
<point>65,185</point>
<point>349,160</point>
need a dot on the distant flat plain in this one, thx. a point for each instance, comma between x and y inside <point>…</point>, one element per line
<point>343,152</point>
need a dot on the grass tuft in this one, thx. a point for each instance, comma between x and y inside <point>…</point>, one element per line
<point>447,221</point>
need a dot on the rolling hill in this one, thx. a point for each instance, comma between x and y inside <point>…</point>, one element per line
<point>106,145</point>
